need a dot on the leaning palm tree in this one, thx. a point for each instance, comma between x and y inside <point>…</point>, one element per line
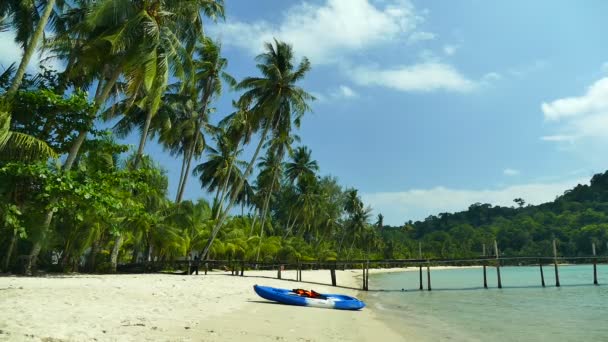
<point>274,97</point>
<point>30,25</point>
<point>208,73</point>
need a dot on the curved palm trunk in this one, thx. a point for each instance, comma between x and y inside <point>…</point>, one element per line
<point>205,101</point>
<point>9,251</point>
<point>266,205</point>
<point>224,215</point>
<point>142,140</point>
<point>184,176</point>
<point>181,176</point>
<point>255,218</point>
<point>115,250</point>
<point>31,47</point>
<point>103,96</point>
<point>223,192</point>
<point>187,172</point>
<point>264,214</point>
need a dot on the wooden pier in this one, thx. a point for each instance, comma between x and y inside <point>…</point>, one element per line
<point>239,267</point>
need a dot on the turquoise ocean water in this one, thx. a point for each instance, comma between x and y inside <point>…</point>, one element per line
<point>459,309</point>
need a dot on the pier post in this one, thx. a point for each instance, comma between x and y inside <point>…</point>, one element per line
<point>420,267</point>
<point>555,263</point>
<point>332,272</point>
<point>364,275</point>
<point>428,276</point>
<point>594,264</point>
<point>206,267</point>
<point>542,275</point>
<point>497,265</point>
<point>367,276</point>
<point>485,278</point>
<point>242,268</point>
<point>279,272</point>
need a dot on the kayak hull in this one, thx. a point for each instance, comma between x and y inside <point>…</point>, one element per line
<point>329,301</point>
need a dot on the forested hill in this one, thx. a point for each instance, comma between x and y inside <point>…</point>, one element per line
<point>576,219</point>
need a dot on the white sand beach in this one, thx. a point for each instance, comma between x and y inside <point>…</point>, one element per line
<point>161,307</point>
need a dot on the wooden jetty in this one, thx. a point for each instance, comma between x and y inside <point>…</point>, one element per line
<point>238,267</point>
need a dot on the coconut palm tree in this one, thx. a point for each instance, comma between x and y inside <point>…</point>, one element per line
<point>301,164</point>
<point>207,76</point>
<point>273,98</point>
<point>29,25</point>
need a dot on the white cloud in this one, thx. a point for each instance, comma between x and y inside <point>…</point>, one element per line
<point>422,77</point>
<point>324,32</point>
<point>342,92</point>
<point>449,49</point>
<point>511,172</point>
<point>568,138</point>
<point>577,117</point>
<point>398,207</point>
<point>345,91</point>
<point>595,100</point>
<point>420,36</point>
<point>527,69</point>
<point>10,52</point>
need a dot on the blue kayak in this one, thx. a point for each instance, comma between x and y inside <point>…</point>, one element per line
<point>329,301</point>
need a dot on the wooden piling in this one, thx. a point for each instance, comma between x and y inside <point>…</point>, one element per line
<point>555,263</point>
<point>497,265</point>
<point>279,272</point>
<point>485,278</point>
<point>428,276</point>
<point>542,275</point>
<point>594,264</point>
<point>420,267</point>
<point>367,276</point>
<point>332,272</point>
<point>242,268</point>
<point>364,275</point>
<point>206,267</point>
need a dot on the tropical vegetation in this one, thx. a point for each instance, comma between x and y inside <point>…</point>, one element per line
<point>74,198</point>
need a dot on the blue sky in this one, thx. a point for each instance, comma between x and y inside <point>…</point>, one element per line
<point>427,107</point>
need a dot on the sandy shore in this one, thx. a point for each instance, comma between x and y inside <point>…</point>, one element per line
<point>157,307</point>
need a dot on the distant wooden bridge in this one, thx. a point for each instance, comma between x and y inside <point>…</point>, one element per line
<point>238,267</point>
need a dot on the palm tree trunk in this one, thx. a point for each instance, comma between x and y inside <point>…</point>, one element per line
<point>31,47</point>
<point>205,101</point>
<point>33,257</point>
<point>181,177</point>
<point>224,187</point>
<point>114,256</point>
<point>224,215</point>
<point>143,139</point>
<point>255,218</point>
<point>263,220</point>
<point>9,252</point>
<point>185,180</point>
<point>93,255</point>
<point>266,205</point>
<point>293,224</point>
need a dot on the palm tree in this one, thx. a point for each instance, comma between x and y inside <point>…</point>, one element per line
<point>301,165</point>
<point>25,17</point>
<point>274,98</point>
<point>219,173</point>
<point>208,75</point>
<point>143,41</point>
